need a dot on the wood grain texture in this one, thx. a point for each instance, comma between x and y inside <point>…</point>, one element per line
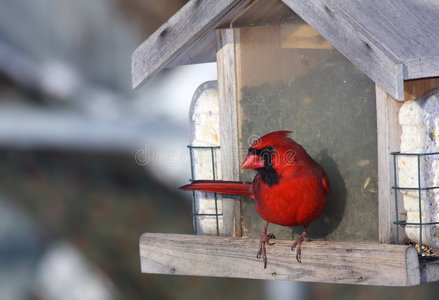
<point>192,26</point>
<point>407,28</point>
<point>389,41</point>
<point>424,66</point>
<point>388,140</point>
<point>230,166</point>
<point>376,34</point>
<point>368,264</point>
<point>429,271</point>
<point>416,88</point>
<point>353,39</point>
<point>263,13</point>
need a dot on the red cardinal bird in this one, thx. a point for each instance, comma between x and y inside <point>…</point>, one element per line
<point>289,189</point>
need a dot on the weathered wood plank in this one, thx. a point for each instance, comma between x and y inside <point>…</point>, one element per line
<point>226,65</point>
<point>429,271</point>
<point>188,27</point>
<point>407,28</point>
<point>354,41</point>
<point>416,88</point>
<point>369,264</point>
<point>390,42</point>
<point>388,140</point>
<point>263,13</point>
<point>421,66</point>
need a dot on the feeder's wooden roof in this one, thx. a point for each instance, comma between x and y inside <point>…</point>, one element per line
<point>390,41</point>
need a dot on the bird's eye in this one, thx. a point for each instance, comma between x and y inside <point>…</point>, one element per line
<point>253,151</point>
<point>267,154</point>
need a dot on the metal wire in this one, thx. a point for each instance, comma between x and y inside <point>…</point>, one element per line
<point>419,188</point>
<point>195,212</point>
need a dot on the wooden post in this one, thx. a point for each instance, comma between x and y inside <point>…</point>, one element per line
<point>388,140</point>
<point>228,128</point>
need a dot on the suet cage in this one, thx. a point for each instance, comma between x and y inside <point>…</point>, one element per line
<point>196,213</point>
<point>423,225</point>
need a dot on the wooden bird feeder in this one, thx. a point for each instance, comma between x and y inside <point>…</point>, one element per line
<point>336,72</point>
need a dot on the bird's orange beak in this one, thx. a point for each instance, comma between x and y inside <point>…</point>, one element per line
<point>252,161</point>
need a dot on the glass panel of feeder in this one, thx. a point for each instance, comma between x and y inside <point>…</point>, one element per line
<point>290,78</point>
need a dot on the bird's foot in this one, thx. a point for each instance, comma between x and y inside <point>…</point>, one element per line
<point>265,240</point>
<point>298,244</point>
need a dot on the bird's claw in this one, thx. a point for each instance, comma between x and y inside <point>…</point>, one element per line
<point>270,236</point>
<point>298,244</point>
<point>265,240</point>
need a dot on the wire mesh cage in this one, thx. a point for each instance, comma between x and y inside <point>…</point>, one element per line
<point>205,153</point>
<point>416,178</point>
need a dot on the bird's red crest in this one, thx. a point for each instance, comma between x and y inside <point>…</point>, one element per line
<point>269,138</point>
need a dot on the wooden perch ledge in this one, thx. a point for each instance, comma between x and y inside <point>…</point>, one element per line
<point>322,261</point>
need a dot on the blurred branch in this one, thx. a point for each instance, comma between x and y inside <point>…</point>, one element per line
<point>18,68</point>
<point>53,80</point>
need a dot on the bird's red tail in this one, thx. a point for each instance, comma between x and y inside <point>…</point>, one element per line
<point>218,186</point>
